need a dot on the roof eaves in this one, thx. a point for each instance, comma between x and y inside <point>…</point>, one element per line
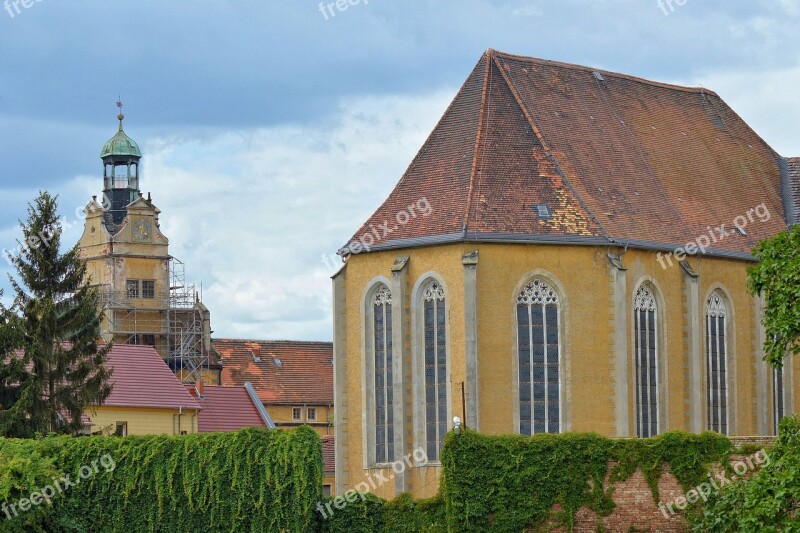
<point>574,240</point>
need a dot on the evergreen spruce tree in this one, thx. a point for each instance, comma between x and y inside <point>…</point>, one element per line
<point>60,368</point>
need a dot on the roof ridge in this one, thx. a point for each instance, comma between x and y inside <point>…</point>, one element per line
<point>621,75</point>
<point>266,341</point>
<point>549,151</point>
<point>484,110</point>
<point>416,158</point>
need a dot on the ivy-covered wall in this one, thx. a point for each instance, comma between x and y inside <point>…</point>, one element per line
<point>510,483</point>
<point>251,480</point>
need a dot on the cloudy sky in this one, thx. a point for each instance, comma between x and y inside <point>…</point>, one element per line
<point>271,130</point>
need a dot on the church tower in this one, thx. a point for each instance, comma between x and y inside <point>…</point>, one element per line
<point>142,288</point>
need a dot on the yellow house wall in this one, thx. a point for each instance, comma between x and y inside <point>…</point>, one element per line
<point>143,421</point>
<point>282,416</point>
<point>584,275</point>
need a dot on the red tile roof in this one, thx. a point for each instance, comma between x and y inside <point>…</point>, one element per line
<point>615,158</point>
<point>225,409</point>
<point>141,378</point>
<point>329,454</point>
<point>287,372</point>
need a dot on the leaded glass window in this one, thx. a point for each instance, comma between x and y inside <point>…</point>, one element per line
<point>646,361</point>
<point>382,352</point>
<point>538,359</point>
<point>778,397</point>
<point>716,364</point>
<point>435,364</point>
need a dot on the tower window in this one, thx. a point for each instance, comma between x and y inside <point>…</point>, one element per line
<point>132,288</point>
<point>148,289</point>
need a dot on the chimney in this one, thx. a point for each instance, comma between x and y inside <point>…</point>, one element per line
<point>199,388</point>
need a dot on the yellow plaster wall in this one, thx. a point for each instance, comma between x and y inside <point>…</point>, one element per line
<point>143,421</point>
<point>587,313</point>
<point>282,416</point>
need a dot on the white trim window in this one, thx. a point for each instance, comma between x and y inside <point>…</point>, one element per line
<point>538,355</point>
<point>716,364</point>
<point>434,336</point>
<point>645,346</point>
<point>778,396</point>
<point>383,399</point>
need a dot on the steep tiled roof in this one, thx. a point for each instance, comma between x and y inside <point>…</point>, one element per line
<point>329,454</point>
<point>615,158</point>
<point>225,409</point>
<point>280,371</point>
<point>142,379</point>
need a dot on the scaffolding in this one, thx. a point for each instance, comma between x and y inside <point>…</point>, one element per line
<point>173,321</point>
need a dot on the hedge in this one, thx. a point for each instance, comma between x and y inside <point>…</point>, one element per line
<point>371,514</point>
<point>250,480</point>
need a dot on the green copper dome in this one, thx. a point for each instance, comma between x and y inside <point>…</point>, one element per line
<point>120,144</point>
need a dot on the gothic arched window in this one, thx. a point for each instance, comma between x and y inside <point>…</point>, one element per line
<point>717,364</point>
<point>435,364</point>
<point>538,359</point>
<point>645,328</point>
<point>778,395</point>
<point>383,399</point>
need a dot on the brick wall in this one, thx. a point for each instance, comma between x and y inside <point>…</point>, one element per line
<point>635,509</point>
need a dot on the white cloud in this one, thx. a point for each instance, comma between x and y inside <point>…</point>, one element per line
<point>767,100</point>
<point>257,214</point>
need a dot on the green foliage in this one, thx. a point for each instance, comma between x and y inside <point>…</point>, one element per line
<point>511,483</point>
<point>777,276</point>
<point>374,515</point>
<point>59,370</point>
<point>770,501</point>
<point>23,471</point>
<point>251,480</point>
<point>364,515</point>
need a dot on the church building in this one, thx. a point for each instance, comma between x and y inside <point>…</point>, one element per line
<point>567,252</point>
